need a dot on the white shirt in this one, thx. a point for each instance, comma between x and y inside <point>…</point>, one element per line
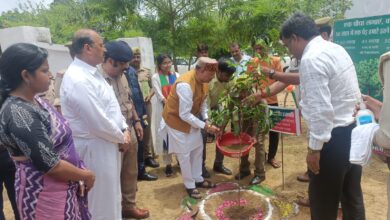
<point>181,142</point>
<point>88,102</point>
<point>241,66</point>
<point>329,89</point>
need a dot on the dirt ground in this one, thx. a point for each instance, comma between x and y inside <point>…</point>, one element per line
<point>163,197</point>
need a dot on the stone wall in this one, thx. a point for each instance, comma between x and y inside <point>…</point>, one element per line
<point>59,57</point>
<point>146,46</point>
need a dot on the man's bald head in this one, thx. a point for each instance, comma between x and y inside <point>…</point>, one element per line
<point>82,37</point>
<point>88,46</point>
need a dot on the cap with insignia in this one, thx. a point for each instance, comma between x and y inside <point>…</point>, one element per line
<point>118,51</point>
<point>325,21</point>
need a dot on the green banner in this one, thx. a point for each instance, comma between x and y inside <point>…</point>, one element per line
<point>365,39</point>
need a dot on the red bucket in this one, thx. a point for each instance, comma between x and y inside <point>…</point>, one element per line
<point>228,140</point>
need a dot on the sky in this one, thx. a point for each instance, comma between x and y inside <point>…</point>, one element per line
<point>6,5</point>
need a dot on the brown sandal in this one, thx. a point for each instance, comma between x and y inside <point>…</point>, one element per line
<point>303,201</point>
<point>194,193</point>
<point>274,163</point>
<point>205,184</point>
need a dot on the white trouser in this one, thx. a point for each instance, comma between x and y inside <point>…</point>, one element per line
<point>104,159</point>
<point>191,166</point>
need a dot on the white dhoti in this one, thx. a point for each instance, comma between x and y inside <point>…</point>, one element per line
<point>191,167</point>
<point>89,104</point>
<point>104,159</point>
<point>188,148</point>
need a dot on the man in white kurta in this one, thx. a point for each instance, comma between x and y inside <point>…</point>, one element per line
<point>99,129</point>
<point>186,100</point>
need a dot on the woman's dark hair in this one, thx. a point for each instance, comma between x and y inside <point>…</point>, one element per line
<point>300,25</point>
<point>202,47</point>
<point>160,59</point>
<point>15,59</point>
<point>226,66</point>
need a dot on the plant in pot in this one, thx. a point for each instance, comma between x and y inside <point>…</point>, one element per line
<point>234,111</point>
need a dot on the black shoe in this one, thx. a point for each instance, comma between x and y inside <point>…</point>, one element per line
<point>168,170</point>
<point>205,173</point>
<point>257,180</point>
<point>147,176</point>
<point>150,162</point>
<point>242,175</point>
<point>222,169</point>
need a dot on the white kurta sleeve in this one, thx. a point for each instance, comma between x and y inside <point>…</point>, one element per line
<point>157,87</point>
<point>99,124</point>
<point>316,105</point>
<point>183,90</point>
<point>204,109</point>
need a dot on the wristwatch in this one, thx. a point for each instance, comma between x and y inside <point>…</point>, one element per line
<point>136,121</point>
<point>311,151</point>
<point>271,73</point>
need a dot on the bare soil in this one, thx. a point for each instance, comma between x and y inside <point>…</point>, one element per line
<point>163,197</point>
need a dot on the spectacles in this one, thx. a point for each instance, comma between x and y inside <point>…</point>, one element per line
<point>166,63</point>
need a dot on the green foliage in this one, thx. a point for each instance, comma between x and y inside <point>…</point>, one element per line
<point>112,18</point>
<point>234,111</point>
<point>367,72</point>
<point>175,26</point>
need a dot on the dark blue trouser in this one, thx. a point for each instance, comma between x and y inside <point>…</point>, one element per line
<point>273,142</point>
<point>338,180</point>
<point>140,155</point>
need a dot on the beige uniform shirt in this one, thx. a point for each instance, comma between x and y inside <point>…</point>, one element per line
<point>145,81</point>
<point>57,86</point>
<point>122,93</point>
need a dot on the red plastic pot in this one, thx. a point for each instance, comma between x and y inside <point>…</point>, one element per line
<point>229,139</point>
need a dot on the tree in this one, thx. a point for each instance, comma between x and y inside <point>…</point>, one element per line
<point>112,18</point>
<point>175,26</point>
<point>369,82</point>
<point>116,18</point>
<point>172,16</point>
